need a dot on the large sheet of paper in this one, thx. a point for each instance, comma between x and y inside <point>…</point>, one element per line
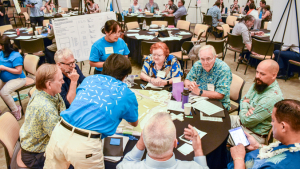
<point>79,33</point>
<point>17,6</point>
<point>207,107</point>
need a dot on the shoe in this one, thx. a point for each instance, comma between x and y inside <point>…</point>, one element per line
<point>240,60</point>
<point>17,113</point>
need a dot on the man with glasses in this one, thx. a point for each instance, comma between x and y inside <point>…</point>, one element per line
<point>210,77</point>
<point>72,75</point>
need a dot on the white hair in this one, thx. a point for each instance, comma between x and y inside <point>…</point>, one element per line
<point>159,134</point>
<point>62,54</point>
<point>211,48</point>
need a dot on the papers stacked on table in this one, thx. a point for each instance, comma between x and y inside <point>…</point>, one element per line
<point>169,38</point>
<point>9,33</point>
<point>207,107</point>
<point>12,35</point>
<point>133,30</point>
<point>184,33</point>
<point>175,106</point>
<point>145,37</point>
<point>133,34</point>
<point>185,149</point>
<point>24,37</point>
<point>206,118</point>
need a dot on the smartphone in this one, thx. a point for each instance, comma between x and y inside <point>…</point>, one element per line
<point>238,136</point>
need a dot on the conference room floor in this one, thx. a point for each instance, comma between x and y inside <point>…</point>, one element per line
<point>290,88</point>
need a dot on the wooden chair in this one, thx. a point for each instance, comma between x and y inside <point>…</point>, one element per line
<point>149,20</point>
<point>46,22</point>
<point>266,25</point>
<point>183,17</point>
<point>128,19</point>
<point>204,34</point>
<point>235,44</point>
<point>181,24</point>
<point>9,135</point>
<point>269,138</point>
<point>159,23</point>
<point>30,67</point>
<point>264,49</point>
<point>183,54</point>
<point>33,46</point>
<point>170,20</point>
<point>145,48</point>
<point>31,91</point>
<point>236,88</point>
<point>230,21</point>
<point>132,25</point>
<point>5,28</point>
<point>208,21</point>
<point>27,18</point>
<point>288,68</point>
<point>219,47</point>
<point>10,14</point>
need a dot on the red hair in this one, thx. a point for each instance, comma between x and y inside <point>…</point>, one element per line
<point>160,45</point>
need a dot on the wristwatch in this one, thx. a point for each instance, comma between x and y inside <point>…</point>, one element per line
<point>201,92</point>
<point>168,82</point>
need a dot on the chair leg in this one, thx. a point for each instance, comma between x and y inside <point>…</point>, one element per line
<point>287,72</point>
<point>90,70</point>
<point>247,66</point>
<point>234,56</point>
<point>15,22</point>
<point>186,62</point>
<point>237,66</point>
<point>20,102</point>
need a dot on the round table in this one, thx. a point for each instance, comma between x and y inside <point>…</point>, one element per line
<point>213,143</point>
<point>134,44</point>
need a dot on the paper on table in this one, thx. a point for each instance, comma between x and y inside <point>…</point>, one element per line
<point>184,33</point>
<point>24,37</point>
<point>12,35</point>
<point>207,107</point>
<point>154,87</point>
<point>185,149</point>
<point>206,118</point>
<point>200,133</point>
<point>133,34</point>
<point>112,158</point>
<point>146,37</point>
<point>154,30</point>
<point>9,33</point>
<point>174,105</point>
<point>133,30</point>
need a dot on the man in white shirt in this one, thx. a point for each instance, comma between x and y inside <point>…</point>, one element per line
<point>159,137</point>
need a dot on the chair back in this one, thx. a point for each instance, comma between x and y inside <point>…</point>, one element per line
<point>235,41</point>
<point>9,134</point>
<point>183,17</point>
<point>266,25</point>
<point>31,63</point>
<point>10,12</point>
<point>145,47</point>
<point>132,25</point>
<point>26,16</point>
<point>119,17</point>
<point>226,29</point>
<point>5,28</point>
<point>231,20</point>
<point>236,88</point>
<point>149,20</point>
<point>218,45</point>
<point>260,47</point>
<point>130,19</point>
<point>159,23</point>
<point>46,22</point>
<point>186,47</point>
<point>269,138</point>
<point>202,27</point>
<point>31,91</point>
<point>208,20</point>
<point>170,20</point>
<point>181,24</point>
<point>65,9</point>
<point>32,45</point>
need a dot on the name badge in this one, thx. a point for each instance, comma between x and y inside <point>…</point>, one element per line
<point>210,87</point>
<point>109,50</point>
<point>161,74</point>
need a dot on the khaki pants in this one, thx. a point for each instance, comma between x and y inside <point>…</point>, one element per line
<point>235,122</point>
<point>66,147</point>
<point>6,88</point>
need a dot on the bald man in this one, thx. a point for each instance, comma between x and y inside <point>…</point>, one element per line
<point>257,105</point>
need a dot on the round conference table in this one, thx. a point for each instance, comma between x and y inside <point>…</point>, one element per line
<point>213,143</point>
<point>134,44</point>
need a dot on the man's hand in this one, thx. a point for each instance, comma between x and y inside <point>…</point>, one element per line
<point>73,76</point>
<point>42,8</point>
<point>253,143</point>
<point>194,88</point>
<point>246,100</point>
<point>238,152</point>
<point>140,144</point>
<point>191,134</point>
<point>250,112</point>
<point>157,81</point>
<point>260,33</point>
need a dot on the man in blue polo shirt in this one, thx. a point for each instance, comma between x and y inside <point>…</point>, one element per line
<point>102,101</point>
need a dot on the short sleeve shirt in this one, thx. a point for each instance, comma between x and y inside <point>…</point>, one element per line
<point>102,49</point>
<point>100,104</point>
<point>220,76</point>
<point>148,6</point>
<point>35,11</point>
<point>136,8</point>
<point>13,60</point>
<point>173,7</point>
<point>216,15</point>
<point>171,67</point>
<point>179,13</point>
<point>241,29</point>
<point>234,10</point>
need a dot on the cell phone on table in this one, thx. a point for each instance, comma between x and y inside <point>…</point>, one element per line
<point>238,136</point>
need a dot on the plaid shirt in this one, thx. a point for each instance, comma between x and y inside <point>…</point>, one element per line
<point>260,121</point>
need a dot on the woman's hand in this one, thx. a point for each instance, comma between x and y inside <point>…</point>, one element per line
<point>157,81</point>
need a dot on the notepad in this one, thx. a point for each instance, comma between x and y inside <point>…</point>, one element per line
<point>133,34</point>
<point>206,118</point>
<point>175,106</point>
<point>133,30</point>
<point>24,37</point>
<point>207,107</point>
<point>185,149</point>
<point>12,35</point>
<point>8,33</point>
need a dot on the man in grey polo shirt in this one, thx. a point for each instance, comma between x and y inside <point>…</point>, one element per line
<point>243,28</point>
<point>180,11</point>
<point>151,6</point>
<point>36,10</point>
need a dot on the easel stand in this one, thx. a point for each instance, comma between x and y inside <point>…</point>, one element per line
<point>196,6</point>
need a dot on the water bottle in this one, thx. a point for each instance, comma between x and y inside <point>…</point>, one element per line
<point>144,25</point>
<point>152,9</point>
<point>185,97</point>
<point>132,10</point>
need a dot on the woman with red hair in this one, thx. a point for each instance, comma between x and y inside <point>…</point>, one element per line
<point>160,67</point>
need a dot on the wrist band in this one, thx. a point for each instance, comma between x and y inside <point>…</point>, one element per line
<point>238,158</point>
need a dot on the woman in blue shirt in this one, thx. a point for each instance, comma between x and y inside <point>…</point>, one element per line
<point>107,45</point>
<point>12,76</point>
<point>160,67</point>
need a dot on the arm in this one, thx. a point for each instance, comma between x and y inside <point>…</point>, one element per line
<point>134,124</point>
<point>265,15</point>
<point>74,76</point>
<point>219,16</point>
<point>49,119</point>
<point>96,64</point>
<point>97,8</point>
<point>16,70</point>
<point>238,154</point>
<point>51,34</point>
<point>95,56</point>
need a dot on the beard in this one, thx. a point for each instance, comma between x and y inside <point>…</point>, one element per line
<point>260,88</point>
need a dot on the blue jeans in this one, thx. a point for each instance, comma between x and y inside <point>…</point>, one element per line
<point>284,58</point>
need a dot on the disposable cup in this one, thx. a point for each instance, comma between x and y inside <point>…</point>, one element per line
<point>187,108</point>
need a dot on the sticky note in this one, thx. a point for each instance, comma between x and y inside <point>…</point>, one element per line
<point>115,141</point>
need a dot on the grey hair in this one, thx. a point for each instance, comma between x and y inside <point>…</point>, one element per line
<point>212,49</point>
<point>159,134</point>
<point>62,53</point>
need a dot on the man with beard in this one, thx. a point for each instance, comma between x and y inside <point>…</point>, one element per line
<point>73,76</point>
<point>256,107</point>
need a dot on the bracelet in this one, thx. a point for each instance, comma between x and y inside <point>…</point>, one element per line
<point>238,158</point>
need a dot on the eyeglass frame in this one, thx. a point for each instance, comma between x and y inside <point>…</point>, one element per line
<point>70,64</point>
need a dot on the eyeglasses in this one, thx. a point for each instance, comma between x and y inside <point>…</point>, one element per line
<point>69,64</point>
<point>116,33</point>
<point>206,60</point>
